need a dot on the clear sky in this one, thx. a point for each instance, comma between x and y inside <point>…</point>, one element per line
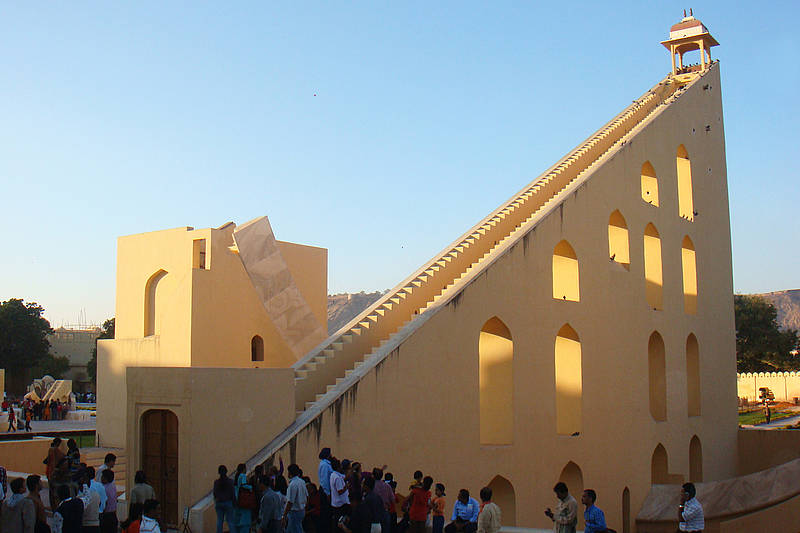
<point>379,130</point>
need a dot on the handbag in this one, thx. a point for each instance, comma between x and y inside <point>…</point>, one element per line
<point>246,499</point>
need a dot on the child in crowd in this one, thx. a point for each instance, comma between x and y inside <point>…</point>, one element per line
<point>438,504</point>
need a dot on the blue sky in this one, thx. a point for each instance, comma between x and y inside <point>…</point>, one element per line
<point>379,130</point>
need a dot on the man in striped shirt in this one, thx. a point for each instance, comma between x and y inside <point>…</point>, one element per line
<point>690,512</point>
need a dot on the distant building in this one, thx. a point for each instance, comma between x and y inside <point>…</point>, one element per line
<point>76,345</point>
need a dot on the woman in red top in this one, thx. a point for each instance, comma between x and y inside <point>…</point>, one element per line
<point>420,505</point>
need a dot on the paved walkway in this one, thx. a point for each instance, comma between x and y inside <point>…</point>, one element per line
<point>778,424</point>
<point>45,426</point>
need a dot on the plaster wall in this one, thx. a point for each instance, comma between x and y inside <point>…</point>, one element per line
<point>420,408</point>
<point>760,449</point>
<point>25,455</point>
<point>224,415</point>
<point>205,317</point>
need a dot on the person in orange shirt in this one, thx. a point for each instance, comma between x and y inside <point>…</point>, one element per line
<point>438,504</point>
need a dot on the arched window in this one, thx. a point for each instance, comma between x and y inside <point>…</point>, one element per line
<point>626,510</point>
<point>657,371</point>
<point>659,466</point>
<point>152,322</point>
<point>685,202</point>
<point>652,268</point>
<point>503,495</point>
<point>618,246</point>
<point>565,273</point>
<point>256,348</point>
<point>689,263</point>
<point>649,184</point>
<point>569,381</point>
<point>693,374</point>
<point>695,460</point>
<point>572,477</point>
<point>496,349</point>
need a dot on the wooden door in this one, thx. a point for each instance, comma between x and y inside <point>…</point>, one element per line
<point>160,460</point>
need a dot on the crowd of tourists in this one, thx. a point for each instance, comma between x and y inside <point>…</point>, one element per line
<point>351,499</point>
<point>81,499</point>
<point>21,413</point>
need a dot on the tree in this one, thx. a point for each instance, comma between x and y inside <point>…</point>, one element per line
<point>51,365</point>
<point>107,333</point>
<point>23,340</point>
<point>760,344</point>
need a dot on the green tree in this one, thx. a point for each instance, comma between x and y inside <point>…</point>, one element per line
<point>107,333</point>
<point>23,340</point>
<point>760,344</point>
<point>51,365</point>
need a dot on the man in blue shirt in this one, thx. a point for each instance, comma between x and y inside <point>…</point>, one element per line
<point>324,472</point>
<point>593,516</point>
<point>465,514</point>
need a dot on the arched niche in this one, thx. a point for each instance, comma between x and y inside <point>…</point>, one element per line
<point>689,270</point>
<point>566,285</point>
<point>659,466</point>
<point>618,244</point>
<point>503,495</point>
<point>695,460</point>
<point>657,377</point>
<point>626,510</point>
<point>654,282</point>
<point>685,200</point>
<point>572,476</point>
<point>152,322</point>
<point>693,375</point>
<point>496,381</point>
<point>649,184</point>
<point>569,381</point>
<point>256,348</point>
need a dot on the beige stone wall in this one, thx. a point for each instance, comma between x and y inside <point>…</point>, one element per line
<point>25,455</point>
<point>784,385</point>
<point>224,416</point>
<point>204,317</point>
<point>420,407</point>
<point>760,449</point>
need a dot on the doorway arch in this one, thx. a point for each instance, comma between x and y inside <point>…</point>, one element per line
<point>496,383</point>
<point>503,495</point>
<point>159,429</point>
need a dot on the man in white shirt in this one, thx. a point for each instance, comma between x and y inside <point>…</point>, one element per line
<point>149,524</point>
<point>340,497</point>
<point>690,512</point>
<point>296,499</point>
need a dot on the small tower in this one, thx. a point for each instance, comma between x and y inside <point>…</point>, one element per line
<point>687,35</point>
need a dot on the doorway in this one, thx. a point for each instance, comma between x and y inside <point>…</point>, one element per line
<point>160,460</point>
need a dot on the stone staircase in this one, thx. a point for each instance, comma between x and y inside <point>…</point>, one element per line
<point>341,354</point>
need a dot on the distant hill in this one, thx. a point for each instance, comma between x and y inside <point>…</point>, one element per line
<point>787,304</point>
<point>342,308</point>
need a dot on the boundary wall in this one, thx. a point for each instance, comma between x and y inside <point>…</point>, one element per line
<point>785,385</point>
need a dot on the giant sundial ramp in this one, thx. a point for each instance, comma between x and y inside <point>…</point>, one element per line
<point>583,324</point>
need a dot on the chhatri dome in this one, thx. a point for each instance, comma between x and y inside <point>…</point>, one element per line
<point>687,35</point>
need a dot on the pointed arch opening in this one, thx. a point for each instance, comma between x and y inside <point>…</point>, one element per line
<point>689,269</point>
<point>685,201</point>
<point>566,284</point>
<point>659,466</point>
<point>572,477</point>
<point>657,372</point>
<point>503,495</point>
<point>618,245</point>
<point>654,282</point>
<point>693,375</point>
<point>152,322</point>
<point>649,184</point>
<point>695,460</point>
<point>626,510</point>
<point>569,381</point>
<point>256,348</point>
<point>496,380</point>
